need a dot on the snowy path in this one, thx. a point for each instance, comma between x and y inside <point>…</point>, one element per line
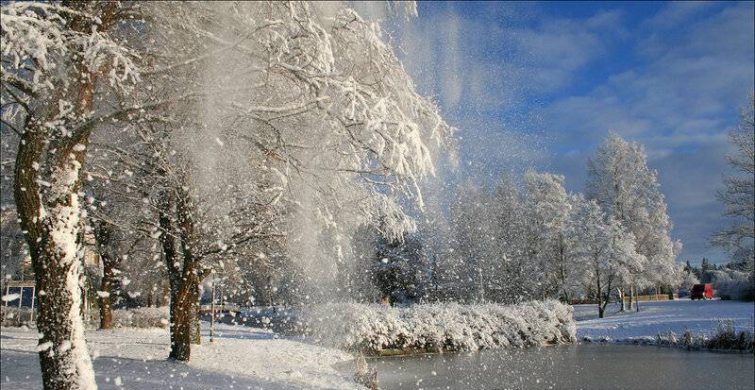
<point>661,317</point>
<point>240,358</point>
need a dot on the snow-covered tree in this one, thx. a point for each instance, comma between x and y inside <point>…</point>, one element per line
<point>246,113</point>
<point>400,270</point>
<point>120,219</point>
<point>689,278</point>
<point>572,274</point>
<point>516,280</point>
<point>58,64</point>
<point>472,270</point>
<point>621,182</point>
<point>739,190</point>
<point>547,210</point>
<point>607,250</point>
<point>512,244</point>
<point>291,116</point>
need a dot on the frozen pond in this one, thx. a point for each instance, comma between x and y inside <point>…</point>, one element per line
<point>582,366</point>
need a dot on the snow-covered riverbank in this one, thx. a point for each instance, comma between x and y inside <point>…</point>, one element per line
<point>240,358</point>
<point>699,317</point>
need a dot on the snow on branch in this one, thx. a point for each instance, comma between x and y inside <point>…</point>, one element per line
<point>36,39</point>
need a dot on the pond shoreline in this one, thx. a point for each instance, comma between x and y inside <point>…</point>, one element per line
<point>394,352</point>
<point>588,366</point>
<point>664,344</point>
<point>680,324</point>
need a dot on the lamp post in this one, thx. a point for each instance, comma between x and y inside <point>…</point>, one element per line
<point>212,313</point>
<point>215,278</point>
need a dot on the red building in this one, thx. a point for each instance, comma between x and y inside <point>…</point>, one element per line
<point>702,291</point>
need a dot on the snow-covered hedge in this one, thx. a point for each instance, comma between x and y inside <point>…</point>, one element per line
<point>141,317</point>
<point>14,316</point>
<point>375,328</point>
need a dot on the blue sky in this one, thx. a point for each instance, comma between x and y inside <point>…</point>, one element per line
<point>540,84</point>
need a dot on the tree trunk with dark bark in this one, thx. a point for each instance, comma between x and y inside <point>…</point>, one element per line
<point>599,292</point>
<point>184,274</point>
<point>52,231</point>
<point>103,235</point>
<point>106,312</point>
<point>196,335</point>
<point>183,309</point>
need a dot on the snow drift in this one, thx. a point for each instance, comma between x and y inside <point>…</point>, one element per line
<point>378,329</point>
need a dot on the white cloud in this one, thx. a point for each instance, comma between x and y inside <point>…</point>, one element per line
<point>687,71</point>
<point>686,95</point>
<point>675,13</point>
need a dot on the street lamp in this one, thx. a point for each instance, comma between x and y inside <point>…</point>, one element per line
<point>215,277</point>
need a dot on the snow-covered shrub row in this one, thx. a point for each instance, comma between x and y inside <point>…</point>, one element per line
<point>141,317</point>
<point>372,328</point>
<point>727,337</point>
<point>14,316</point>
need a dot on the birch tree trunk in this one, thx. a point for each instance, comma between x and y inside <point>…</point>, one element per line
<point>621,299</point>
<point>631,296</point>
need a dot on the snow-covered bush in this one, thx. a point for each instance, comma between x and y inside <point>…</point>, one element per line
<point>372,328</point>
<point>731,284</point>
<point>727,337</point>
<point>14,316</point>
<point>141,317</point>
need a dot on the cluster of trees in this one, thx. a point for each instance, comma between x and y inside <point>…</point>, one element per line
<point>229,138</point>
<point>536,240</point>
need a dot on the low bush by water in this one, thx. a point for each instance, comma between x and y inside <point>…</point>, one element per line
<point>379,330</point>
<point>726,338</point>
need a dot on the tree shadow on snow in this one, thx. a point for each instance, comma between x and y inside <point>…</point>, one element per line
<point>21,371</point>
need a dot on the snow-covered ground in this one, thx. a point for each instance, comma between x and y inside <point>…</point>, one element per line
<point>250,358</point>
<point>700,317</point>
<point>240,358</point>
